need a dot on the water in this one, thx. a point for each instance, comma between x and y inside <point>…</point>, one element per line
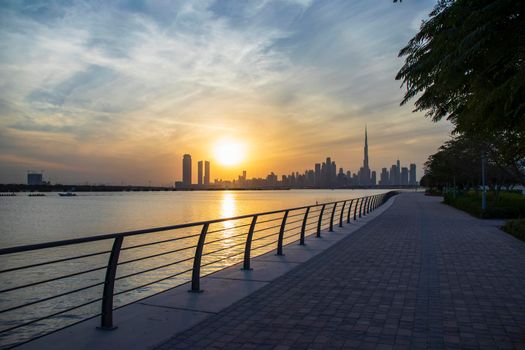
<point>27,220</point>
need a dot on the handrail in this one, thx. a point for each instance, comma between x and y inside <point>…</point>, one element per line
<point>311,220</point>
<point>59,243</point>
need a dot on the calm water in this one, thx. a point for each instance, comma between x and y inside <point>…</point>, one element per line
<point>26,220</point>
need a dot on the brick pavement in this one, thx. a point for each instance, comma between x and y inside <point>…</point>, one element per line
<point>421,275</point>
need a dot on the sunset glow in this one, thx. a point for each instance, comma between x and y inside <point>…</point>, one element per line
<point>84,95</point>
<point>229,152</point>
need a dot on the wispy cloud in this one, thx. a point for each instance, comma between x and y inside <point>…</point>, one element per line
<point>140,79</point>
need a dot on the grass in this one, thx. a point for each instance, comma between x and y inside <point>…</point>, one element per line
<point>510,205</point>
<point>515,228</point>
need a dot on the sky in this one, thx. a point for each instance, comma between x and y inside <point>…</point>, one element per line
<point>117,91</point>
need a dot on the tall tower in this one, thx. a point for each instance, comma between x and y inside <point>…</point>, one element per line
<point>398,174</point>
<point>365,174</point>
<point>186,170</point>
<point>207,173</point>
<point>365,160</point>
<point>199,172</point>
<point>412,174</point>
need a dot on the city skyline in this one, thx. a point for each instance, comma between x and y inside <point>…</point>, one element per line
<point>92,101</point>
<point>323,175</point>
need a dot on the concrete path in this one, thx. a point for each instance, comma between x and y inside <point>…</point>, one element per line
<point>421,275</point>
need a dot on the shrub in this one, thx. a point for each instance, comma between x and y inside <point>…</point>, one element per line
<point>507,206</point>
<point>515,228</point>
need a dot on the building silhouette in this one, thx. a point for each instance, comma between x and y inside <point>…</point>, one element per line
<point>186,171</point>
<point>364,176</point>
<point>34,178</point>
<point>323,175</point>
<point>398,172</point>
<point>412,181</point>
<point>404,176</point>
<point>317,174</point>
<point>393,175</point>
<point>384,179</point>
<point>199,173</point>
<point>206,173</point>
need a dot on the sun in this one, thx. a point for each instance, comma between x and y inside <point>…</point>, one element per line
<point>229,152</point>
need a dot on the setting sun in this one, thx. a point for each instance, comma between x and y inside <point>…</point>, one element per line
<point>229,152</point>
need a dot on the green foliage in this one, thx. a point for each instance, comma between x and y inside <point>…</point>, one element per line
<point>505,205</point>
<point>515,228</point>
<point>466,64</point>
<point>458,162</point>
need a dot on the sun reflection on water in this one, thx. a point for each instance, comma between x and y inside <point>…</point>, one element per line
<point>228,208</point>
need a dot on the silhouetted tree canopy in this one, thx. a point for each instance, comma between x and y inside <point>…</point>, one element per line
<point>459,161</point>
<point>466,64</point>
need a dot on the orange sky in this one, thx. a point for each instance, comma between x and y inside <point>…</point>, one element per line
<point>89,98</point>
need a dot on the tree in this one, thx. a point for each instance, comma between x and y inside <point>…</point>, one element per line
<point>466,64</point>
<point>459,161</point>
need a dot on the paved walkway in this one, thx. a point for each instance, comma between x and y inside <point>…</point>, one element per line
<point>422,275</point>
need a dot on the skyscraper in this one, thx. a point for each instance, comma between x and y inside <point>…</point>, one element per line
<point>412,181</point>
<point>365,173</point>
<point>404,176</point>
<point>328,171</point>
<point>365,160</point>
<point>206,173</point>
<point>318,174</point>
<point>186,170</point>
<point>333,173</point>
<point>199,172</point>
<point>384,179</point>
<point>393,175</point>
<point>398,174</point>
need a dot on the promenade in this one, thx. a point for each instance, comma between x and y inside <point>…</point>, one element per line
<point>420,275</point>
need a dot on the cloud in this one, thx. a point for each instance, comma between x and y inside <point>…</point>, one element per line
<point>114,80</point>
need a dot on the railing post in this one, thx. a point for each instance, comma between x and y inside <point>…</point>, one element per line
<point>369,204</point>
<point>196,273</point>
<point>341,215</point>
<point>248,246</point>
<point>355,209</point>
<point>106,317</point>
<point>348,217</point>
<point>320,221</point>
<point>281,234</point>
<point>303,227</point>
<point>332,218</point>
<point>365,209</point>
<point>361,207</point>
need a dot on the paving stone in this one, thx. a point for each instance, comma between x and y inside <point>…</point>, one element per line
<point>420,276</point>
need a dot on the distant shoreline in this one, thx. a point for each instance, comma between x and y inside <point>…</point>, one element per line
<point>14,188</point>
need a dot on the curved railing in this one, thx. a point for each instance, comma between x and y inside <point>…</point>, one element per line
<point>246,235</point>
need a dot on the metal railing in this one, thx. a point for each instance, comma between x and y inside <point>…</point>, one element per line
<point>272,228</point>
